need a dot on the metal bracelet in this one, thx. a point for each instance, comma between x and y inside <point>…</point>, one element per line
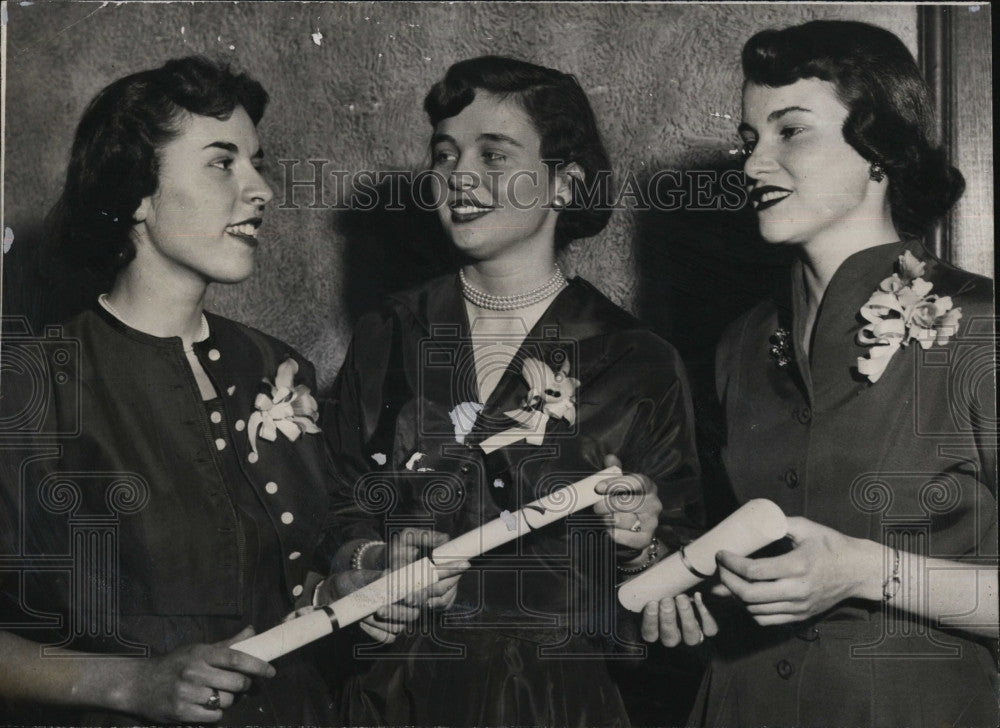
<point>653,552</point>
<point>689,567</point>
<point>890,587</point>
<point>359,553</point>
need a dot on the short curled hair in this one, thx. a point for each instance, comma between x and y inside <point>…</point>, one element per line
<point>890,118</point>
<point>113,163</point>
<point>562,116</point>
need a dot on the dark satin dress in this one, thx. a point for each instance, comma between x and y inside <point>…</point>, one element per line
<point>909,460</point>
<point>527,640</point>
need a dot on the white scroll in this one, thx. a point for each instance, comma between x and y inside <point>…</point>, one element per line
<point>751,527</point>
<point>422,573</point>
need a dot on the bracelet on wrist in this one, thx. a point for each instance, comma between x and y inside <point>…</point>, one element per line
<point>890,587</point>
<point>626,553</point>
<point>652,552</point>
<point>359,553</point>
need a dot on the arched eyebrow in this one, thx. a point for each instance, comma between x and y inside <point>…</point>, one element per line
<point>227,146</point>
<point>778,113</point>
<point>442,138</point>
<point>502,138</point>
<point>234,149</point>
<point>488,136</point>
<point>773,116</point>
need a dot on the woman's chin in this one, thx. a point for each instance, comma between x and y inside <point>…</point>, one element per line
<point>471,245</point>
<point>235,274</point>
<point>777,235</point>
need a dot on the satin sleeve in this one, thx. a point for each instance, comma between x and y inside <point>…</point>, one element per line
<point>350,416</point>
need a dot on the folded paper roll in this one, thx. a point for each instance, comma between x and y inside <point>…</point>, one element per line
<point>423,573</point>
<point>537,514</point>
<point>289,636</point>
<point>751,527</point>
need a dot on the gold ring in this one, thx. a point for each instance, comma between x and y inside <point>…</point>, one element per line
<point>214,701</point>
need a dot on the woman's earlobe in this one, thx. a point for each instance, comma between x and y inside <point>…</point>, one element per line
<point>567,174</point>
<point>141,212</point>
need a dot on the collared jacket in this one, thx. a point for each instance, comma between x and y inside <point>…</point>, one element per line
<point>909,460</point>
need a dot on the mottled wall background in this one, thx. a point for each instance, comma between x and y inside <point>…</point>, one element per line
<point>347,83</point>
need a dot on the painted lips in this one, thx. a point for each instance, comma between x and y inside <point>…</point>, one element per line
<point>467,212</point>
<point>246,230</point>
<point>768,196</point>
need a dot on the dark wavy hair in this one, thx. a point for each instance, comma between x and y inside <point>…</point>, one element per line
<point>113,163</point>
<point>890,118</point>
<point>562,116</point>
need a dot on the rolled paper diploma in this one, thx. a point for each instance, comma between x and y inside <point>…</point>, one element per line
<point>751,527</point>
<point>555,506</point>
<point>422,573</point>
<point>357,605</point>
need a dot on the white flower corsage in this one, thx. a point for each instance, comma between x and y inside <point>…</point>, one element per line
<point>290,409</point>
<point>550,394</point>
<point>463,419</point>
<point>903,309</point>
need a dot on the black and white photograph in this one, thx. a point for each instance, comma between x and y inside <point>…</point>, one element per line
<point>466,364</point>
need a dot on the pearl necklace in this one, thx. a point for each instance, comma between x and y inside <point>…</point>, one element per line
<point>509,303</point>
<point>203,332</point>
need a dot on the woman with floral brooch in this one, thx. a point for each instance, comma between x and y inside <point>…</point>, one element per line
<point>862,401</point>
<point>476,393</point>
<point>218,484</point>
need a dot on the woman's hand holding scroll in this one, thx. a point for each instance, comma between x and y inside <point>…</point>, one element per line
<point>632,508</point>
<point>404,547</point>
<point>824,568</point>
<point>192,684</point>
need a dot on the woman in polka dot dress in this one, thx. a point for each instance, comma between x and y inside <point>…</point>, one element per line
<point>190,493</point>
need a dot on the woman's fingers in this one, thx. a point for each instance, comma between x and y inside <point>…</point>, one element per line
<point>790,608</point>
<point>670,634</point>
<point>632,529</point>
<point>720,590</point>
<point>231,661</point>
<point>630,539</point>
<point>178,687</point>
<point>690,627</point>
<point>787,565</point>
<point>708,624</point>
<point>203,695</point>
<point>221,656</point>
<point>763,592</point>
<point>233,682</point>
<point>650,629</point>
<point>406,545</point>
<point>398,614</point>
<point>443,585</point>
<point>673,620</point>
<point>453,569</point>
<point>445,600</point>
<point>770,620</point>
<point>378,634</point>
